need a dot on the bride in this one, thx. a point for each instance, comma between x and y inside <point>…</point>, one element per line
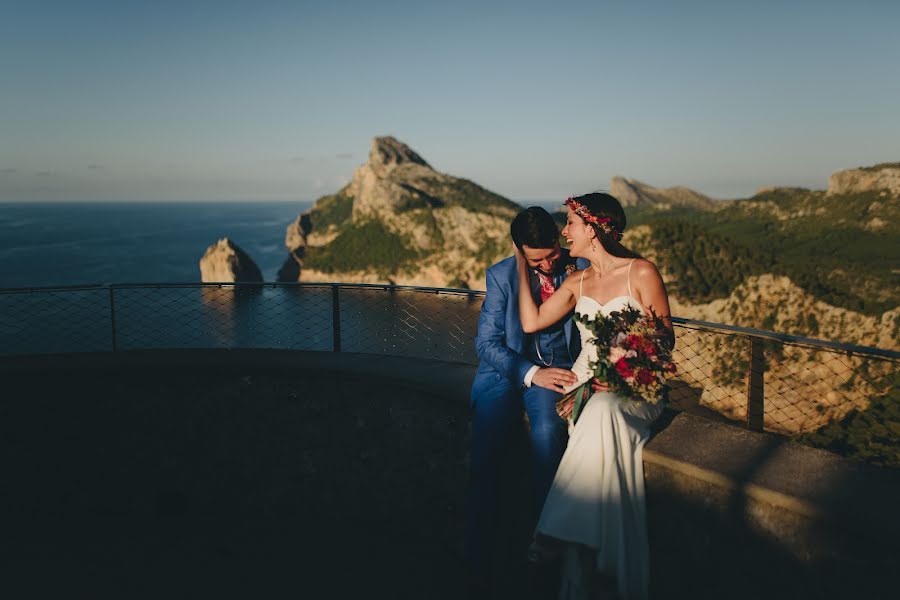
<point>595,512</point>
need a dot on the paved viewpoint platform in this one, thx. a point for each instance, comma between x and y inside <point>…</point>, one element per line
<point>252,473</point>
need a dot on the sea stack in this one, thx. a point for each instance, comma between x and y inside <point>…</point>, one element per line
<point>225,261</point>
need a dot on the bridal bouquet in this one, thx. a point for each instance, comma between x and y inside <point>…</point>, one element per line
<point>632,357</point>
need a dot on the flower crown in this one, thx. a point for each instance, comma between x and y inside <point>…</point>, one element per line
<point>604,223</point>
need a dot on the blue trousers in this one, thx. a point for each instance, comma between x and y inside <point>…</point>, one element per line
<point>495,421</point>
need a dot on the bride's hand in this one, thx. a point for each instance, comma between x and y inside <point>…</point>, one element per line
<point>520,258</point>
<point>599,386</point>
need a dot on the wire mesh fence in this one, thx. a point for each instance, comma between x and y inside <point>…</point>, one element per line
<point>766,381</point>
<point>55,321</point>
<point>787,386</point>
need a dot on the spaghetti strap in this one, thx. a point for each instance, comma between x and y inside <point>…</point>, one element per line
<point>581,284</point>
<point>629,277</point>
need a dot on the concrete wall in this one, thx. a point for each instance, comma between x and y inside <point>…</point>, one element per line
<point>731,512</point>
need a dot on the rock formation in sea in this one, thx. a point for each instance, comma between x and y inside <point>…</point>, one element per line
<point>225,261</point>
<point>399,220</point>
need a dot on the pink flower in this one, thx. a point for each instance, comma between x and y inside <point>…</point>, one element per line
<point>616,353</point>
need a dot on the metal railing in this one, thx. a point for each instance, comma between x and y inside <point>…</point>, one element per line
<point>767,381</point>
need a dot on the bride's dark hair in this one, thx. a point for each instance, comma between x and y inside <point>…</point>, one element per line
<point>604,206</point>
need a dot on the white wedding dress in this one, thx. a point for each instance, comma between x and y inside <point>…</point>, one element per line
<point>596,503</point>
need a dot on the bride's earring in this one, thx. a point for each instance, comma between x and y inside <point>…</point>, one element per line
<point>593,249</point>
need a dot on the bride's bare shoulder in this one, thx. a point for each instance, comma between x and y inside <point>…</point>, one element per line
<point>644,268</point>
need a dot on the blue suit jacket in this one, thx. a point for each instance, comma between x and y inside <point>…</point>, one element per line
<point>500,342</point>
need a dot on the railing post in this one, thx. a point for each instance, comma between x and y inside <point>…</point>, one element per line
<point>756,386</point>
<point>336,317</point>
<point>112,315</point>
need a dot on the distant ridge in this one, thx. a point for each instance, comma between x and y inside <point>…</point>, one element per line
<point>631,192</point>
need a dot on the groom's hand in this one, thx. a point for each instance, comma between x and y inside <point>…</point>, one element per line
<point>553,378</point>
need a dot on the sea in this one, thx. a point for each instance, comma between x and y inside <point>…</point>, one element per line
<point>68,243</point>
<point>43,245</point>
<point>74,243</point>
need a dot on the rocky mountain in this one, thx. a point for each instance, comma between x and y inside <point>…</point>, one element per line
<point>883,178</point>
<point>812,263</point>
<point>226,261</point>
<point>402,221</point>
<point>739,287</point>
<point>792,260</point>
<point>631,192</point>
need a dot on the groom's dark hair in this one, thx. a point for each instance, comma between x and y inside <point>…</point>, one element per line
<point>534,227</point>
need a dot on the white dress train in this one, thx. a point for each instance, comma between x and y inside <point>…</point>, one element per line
<point>596,503</point>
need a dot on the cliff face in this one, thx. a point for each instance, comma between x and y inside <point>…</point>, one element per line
<point>883,178</point>
<point>775,303</point>
<point>225,261</point>
<point>631,192</point>
<point>401,221</point>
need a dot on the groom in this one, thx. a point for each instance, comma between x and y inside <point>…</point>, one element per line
<point>517,371</point>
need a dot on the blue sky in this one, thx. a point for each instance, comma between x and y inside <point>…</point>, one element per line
<point>279,100</point>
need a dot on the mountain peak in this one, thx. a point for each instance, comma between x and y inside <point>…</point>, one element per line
<point>388,152</point>
<point>400,220</point>
<point>631,192</point>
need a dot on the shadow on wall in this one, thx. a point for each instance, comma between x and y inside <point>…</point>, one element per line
<point>148,483</point>
<point>224,482</point>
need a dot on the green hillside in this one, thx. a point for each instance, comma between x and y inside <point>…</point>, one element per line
<point>844,249</point>
<point>330,210</point>
<point>366,246</point>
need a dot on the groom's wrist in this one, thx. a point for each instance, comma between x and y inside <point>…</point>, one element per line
<point>529,376</point>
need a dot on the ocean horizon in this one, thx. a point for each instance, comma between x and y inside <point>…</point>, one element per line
<point>74,243</point>
<point>82,243</point>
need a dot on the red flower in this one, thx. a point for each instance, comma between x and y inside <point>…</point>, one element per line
<point>645,377</point>
<point>641,345</point>
<point>624,369</point>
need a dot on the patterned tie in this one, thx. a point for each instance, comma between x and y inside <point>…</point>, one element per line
<point>547,287</point>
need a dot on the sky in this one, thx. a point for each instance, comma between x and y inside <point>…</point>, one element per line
<point>162,100</point>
